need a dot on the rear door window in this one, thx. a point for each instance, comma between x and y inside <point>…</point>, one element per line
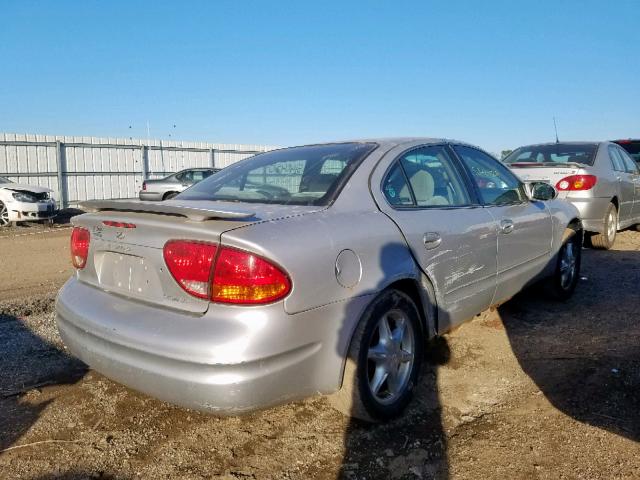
<point>396,188</point>
<point>433,178</point>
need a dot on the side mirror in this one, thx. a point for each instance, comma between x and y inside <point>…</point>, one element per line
<point>542,191</point>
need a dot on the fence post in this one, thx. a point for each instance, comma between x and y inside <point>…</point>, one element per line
<point>213,157</point>
<point>62,190</point>
<point>144,161</point>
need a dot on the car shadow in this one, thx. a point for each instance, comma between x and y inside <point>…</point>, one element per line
<point>80,475</point>
<point>584,354</point>
<point>28,363</point>
<point>413,445</point>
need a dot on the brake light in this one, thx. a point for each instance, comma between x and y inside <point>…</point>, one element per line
<point>80,238</point>
<point>111,223</point>
<point>577,182</point>
<point>224,274</point>
<point>144,185</point>
<point>243,278</point>
<point>190,263</point>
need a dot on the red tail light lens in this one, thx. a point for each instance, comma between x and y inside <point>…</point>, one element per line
<point>224,274</point>
<point>80,238</point>
<point>243,278</point>
<point>576,182</point>
<point>191,263</point>
<point>144,185</point>
<point>111,223</point>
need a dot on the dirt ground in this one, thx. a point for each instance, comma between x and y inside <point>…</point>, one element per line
<point>535,390</point>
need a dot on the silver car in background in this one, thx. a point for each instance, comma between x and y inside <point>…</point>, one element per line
<point>599,178</point>
<point>320,269</point>
<point>172,185</point>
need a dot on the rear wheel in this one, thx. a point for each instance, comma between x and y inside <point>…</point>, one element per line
<point>384,359</point>
<point>606,239</point>
<point>169,195</point>
<point>4,216</point>
<point>567,272</point>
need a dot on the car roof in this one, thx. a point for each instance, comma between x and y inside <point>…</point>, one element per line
<point>546,144</point>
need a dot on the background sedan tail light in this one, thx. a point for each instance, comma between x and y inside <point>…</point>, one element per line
<point>576,182</point>
<point>80,238</point>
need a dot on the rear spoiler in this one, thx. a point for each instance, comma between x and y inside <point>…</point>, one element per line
<point>192,213</point>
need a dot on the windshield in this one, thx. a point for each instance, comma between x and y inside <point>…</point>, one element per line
<point>5,180</point>
<point>552,155</point>
<point>311,175</point>
<point>632,147</point>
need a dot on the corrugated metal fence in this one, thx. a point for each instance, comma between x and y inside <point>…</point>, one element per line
<point>84,168</point>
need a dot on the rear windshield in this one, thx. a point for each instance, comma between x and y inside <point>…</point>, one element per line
<point>554,155</point>
<point>632,147</point>
<point>310,175</point>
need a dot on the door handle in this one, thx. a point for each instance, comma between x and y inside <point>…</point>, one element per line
<point>431,240</point>
<point>506,226</point>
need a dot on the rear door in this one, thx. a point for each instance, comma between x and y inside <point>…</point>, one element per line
<point>450,235</point>
<point>632,177</point>
<point>524,226</point>
<point>626,186</point>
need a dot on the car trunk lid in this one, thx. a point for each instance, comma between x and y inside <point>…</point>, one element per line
<point>127,240</point>
<point>550,173</point>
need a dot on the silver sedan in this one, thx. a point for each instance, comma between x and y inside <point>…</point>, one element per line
<point>600,179</point>
<point>314,269</point>
<point>171,185</point>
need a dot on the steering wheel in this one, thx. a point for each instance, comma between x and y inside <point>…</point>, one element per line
<point>273,191</point>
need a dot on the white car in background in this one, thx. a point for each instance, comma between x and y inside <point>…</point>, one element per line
<point>25,203</point>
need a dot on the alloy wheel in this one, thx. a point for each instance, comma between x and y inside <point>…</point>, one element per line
<point>612,225</point>
<point>568,264</point>
<point>391,356</point>
<point>4,215</point>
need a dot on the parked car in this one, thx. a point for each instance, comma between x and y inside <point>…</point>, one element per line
<point>307,270</point>
<point>599,178</point>
<point>172,185</point>
<point>632,147</point>
<point>24,203</point>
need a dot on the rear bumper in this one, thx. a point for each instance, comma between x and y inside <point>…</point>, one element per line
<point>150,195</point>
<point>26,212</point>
<point>592,212</point>
<point>231,361</point>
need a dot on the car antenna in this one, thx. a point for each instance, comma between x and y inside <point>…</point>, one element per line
<point>556,129</point>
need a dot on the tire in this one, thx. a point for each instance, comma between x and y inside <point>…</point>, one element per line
<point>367,392</point>
<point>606,239</point>
<point>4,216</point>
<point>567,272</point>
<point>169,195</point>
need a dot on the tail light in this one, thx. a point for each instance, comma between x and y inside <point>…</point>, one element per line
<point>244,278</point>
<point>576,182</point>
<point>80,238</point>
<point>190,264</point>
<point>144,185</point>
<point>225,275</point>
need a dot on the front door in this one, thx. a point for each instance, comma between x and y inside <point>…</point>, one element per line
<point>524,226</point>
<point>632,178</point>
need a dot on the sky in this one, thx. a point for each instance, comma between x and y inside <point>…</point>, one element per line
<point>492,73</point>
